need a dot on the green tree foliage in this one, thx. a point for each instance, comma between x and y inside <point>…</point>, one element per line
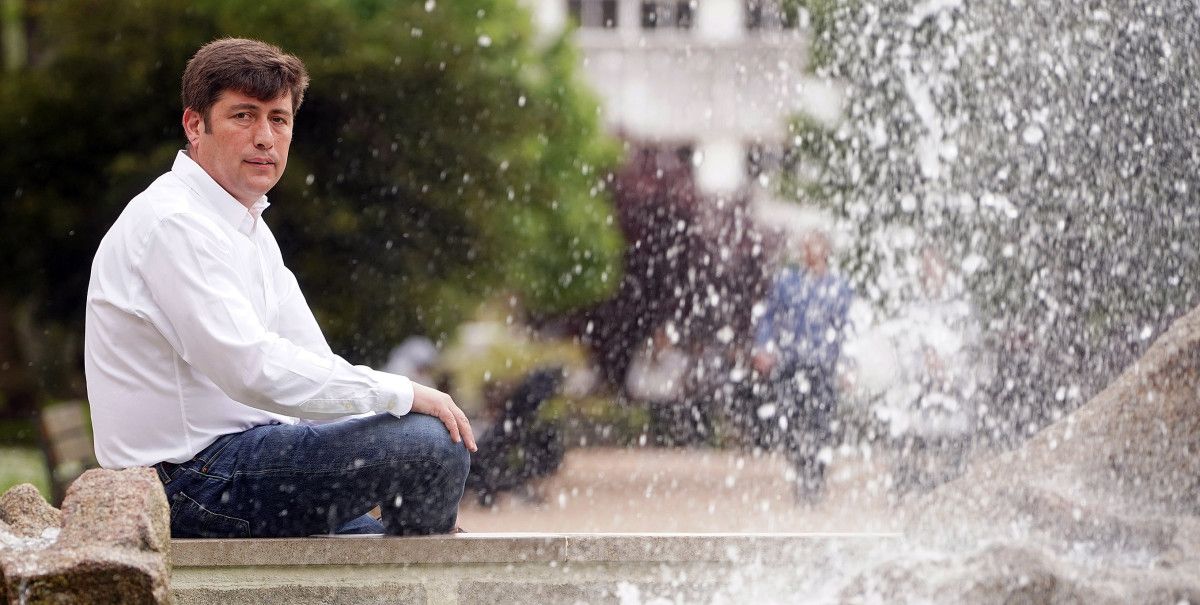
<point>443,152</point>
<point>817,17</point>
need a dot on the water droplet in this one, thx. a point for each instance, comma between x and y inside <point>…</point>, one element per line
<point>1033,135</point>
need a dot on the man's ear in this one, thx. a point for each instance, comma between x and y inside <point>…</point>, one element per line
<point>193,125</point>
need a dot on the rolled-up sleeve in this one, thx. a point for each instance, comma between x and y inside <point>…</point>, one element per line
<point>190,271</point>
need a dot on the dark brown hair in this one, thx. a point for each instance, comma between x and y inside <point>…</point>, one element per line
<point>253,68</point>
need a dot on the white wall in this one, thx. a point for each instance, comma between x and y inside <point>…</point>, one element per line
<point>716,87</point>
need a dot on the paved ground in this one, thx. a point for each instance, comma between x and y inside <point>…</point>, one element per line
<point>692,490</point>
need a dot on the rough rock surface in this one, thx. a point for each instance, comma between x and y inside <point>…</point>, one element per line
<point>113,546</point>
<point>25,513</point>
<point>117,508</point>
<point>1103,506</point>
<point>1003,574</point>
<point>1124,471</point>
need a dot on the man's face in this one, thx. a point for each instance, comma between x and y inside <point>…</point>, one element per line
<point>246,149</point>
<point>816,251</point>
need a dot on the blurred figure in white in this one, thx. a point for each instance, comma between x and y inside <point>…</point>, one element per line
<point>415,358</point>
<point>658,371</point>
<point>658,377</point>
<point>928,408</point>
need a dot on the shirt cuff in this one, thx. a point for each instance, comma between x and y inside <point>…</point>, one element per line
<point>402,390</point>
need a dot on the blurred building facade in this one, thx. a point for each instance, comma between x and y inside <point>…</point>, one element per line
<point>714,81</point>
<point>702,92</point>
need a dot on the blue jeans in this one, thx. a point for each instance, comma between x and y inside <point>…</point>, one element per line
<point>283,480</point>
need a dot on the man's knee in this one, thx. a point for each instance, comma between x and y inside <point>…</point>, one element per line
<point>432,437</point>
<point>458,462</point>
<point>454,457</point>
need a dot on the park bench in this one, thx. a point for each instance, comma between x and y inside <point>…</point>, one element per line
<point>67,445</point>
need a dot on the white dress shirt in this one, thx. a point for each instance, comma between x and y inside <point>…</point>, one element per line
<point>196,329</point>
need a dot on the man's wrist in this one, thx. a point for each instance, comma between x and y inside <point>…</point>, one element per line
<point>401,389</point>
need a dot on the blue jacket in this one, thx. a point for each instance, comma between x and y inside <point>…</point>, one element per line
<point>805,318</point>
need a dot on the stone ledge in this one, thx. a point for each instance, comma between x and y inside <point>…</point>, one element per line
<point>474,569</point>
<point>514,548</point>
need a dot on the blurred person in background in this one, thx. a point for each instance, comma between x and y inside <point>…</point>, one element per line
<point>659,376</point>
<point>938,372</point>
<point>415,358</point>
<point>797,347</point>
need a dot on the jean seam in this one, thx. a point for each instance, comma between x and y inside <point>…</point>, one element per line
<point>239,520</point>
<point>310,472</point>
<point>204,474</point>
<point>217,454</point>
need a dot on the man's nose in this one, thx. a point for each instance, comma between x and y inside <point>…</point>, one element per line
<point>264,137</point>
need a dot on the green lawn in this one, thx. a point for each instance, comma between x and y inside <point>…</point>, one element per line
<point>23,465</point>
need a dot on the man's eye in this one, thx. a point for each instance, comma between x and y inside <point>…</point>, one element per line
<point>280,121</point>
<point>242,115</point>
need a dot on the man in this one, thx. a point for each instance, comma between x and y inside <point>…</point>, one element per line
<point>662,376</point>
<point>797,347</point>
<point>202,356</point>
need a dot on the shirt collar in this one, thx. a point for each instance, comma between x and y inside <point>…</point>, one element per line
<point>226,206</point>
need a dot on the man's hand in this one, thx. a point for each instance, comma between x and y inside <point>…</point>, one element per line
<point>433,402</point>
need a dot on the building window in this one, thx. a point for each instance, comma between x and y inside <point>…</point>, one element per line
<point>593,13</point>
<point>764,162</point>
<point>774,14</point>
<point>668,14</point>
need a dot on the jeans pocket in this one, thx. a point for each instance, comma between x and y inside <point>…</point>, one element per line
<point>207,459</point>
<point>189,519</point>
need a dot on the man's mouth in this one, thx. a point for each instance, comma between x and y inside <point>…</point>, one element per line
<point>261,162</point>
